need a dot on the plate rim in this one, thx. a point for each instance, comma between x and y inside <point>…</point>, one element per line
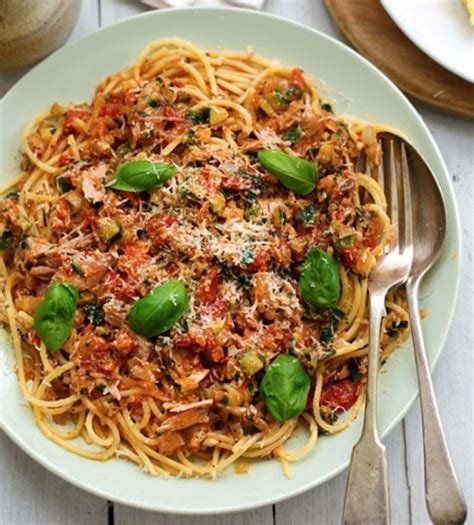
<point>457,233</point>
<point>420,43</point>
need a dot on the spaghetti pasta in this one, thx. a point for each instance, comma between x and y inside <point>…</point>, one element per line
<point>182,402</point>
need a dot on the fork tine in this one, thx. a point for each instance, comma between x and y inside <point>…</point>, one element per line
<point>380,176</point>
<point>392,183</point>
<point>407,203</point>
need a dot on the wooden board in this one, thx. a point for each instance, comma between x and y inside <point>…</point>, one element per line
<point>369,28</point>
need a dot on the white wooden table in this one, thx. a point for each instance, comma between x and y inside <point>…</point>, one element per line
<point>29,494</point>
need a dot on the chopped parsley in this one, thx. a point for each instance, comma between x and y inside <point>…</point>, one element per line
<point>306,215</point>
<point>247,256</point>
<point>6,240</point>
<point>155,103</point>
<point>94,314</point>
<point>63,184</point>
<point>76,269</point>
<point>293,134</point>
<point>198,117</point>
<point>327,107</point>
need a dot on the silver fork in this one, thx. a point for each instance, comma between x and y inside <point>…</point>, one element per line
<point>367,496</point>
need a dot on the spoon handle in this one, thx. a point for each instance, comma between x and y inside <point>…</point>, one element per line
<point>444,497</point>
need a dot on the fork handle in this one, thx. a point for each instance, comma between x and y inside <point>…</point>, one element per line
<point>367,500</point>
<point>444,497</point>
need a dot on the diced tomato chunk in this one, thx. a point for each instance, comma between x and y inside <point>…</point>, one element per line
<point>111,109</point>
<point>64,159</point>
<point>73,114</point>
<point>156,227</point>
<point>234,182</point>
<point>342,394</point>
<point>208,290</point>
<point>260,263</point>
<point>173,113</point>
<point>297,78</point>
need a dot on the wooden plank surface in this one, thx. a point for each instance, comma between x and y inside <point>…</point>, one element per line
<point>31,495</point>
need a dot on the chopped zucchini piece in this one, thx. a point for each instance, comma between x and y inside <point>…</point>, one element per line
<point>234,397</point>
<point>217,115</point>
<point>250,363</point>
<point>108,229</point>
<point>217,201</point>
<point>266,108</point>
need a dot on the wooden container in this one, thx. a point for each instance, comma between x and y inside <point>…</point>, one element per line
<point>31,29</point>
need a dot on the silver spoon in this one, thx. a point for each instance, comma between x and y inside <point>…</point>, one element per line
<point>444,497</point>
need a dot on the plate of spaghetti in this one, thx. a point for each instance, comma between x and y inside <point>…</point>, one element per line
<point>185,245</point>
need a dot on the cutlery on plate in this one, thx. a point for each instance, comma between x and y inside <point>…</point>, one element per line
<point>367,496</point>
<point>444,498</point>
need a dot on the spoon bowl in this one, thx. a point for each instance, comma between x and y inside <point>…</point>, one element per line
<point>443,495</point>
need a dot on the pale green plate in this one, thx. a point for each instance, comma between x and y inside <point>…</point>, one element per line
<point>357,87</point>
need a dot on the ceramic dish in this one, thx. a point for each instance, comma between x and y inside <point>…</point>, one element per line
<point>355,87</point>
<point>440,28</point>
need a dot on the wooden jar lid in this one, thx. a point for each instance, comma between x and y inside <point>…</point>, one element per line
<point>369,28</point>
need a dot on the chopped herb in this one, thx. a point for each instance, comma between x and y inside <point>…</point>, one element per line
<point>247,256</point>
<point>198,117</point>
<point>100,387</point>
<point>336,316</point>
<point>6,240</point>
<point>63,184</point>
<point>24,244</point>
<point>182,324</point>
<point>75,268</point>
<point>250,197</point>
<point>293,134</point>
<point>280,100</point>
<point>251,211</point>
<point>242,279</point>
<point>306,215</point>
<point>326,334</point>
<point>225,400</point>
<point>123,148</point>
<point>256,180</point>
<point>327,107</point>
<point>84,391</point>
<point>143,114</point>
<point>344,242</point>
<point>14,195</point>
<point>294,92</point>
<point>282,216</point>
<point>190,140</point>
<point>94,314</point>
<point>155,103</point>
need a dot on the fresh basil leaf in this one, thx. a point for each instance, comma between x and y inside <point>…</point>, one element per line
<point>54,317</point>
<point>284,388</point>
<point>298,175</point>
<point>158,311</point>
<point>319,280</point>
<point>142,175</point>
